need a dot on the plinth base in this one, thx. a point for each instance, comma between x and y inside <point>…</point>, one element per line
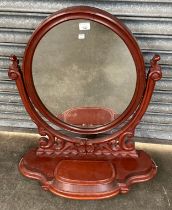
<point>87,179</point>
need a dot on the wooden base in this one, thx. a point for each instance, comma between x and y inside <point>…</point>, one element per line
<point>87,179</point>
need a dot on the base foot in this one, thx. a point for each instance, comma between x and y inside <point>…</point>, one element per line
<point>87,179</point>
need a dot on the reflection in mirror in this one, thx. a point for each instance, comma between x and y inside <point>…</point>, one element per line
<point>83,64</point>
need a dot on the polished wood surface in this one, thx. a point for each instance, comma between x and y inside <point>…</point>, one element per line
<point>87,179</point>
<point>86,168</point>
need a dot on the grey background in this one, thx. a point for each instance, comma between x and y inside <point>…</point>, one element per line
<point>151,23</point>
<point>97,71</point>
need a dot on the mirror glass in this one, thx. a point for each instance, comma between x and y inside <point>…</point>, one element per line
<point>84,73</point>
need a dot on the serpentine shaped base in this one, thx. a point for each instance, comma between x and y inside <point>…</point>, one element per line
<point>87,179</point>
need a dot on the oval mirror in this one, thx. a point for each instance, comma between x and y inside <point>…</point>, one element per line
<point>84,73</point>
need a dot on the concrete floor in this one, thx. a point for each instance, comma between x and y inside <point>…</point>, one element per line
<point>18,192</point>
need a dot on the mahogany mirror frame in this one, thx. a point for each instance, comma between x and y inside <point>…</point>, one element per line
<point>86,168</point>
<point>107,20</point>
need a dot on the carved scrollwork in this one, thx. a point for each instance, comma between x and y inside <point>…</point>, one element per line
<point>13,72</point>
<point>13,75</point>
<point>155,70</point>
<point>47,140</point>
<point>114,148</point>
<point>126,141</point>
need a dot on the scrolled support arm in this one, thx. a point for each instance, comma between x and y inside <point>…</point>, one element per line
<point>15,73</point>
<point>154,75</point>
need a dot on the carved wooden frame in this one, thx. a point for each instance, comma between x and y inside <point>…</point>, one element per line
<point>112,23</point>
<point>55,146</point>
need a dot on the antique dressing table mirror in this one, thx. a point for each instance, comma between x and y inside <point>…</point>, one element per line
<point>84,85</point>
